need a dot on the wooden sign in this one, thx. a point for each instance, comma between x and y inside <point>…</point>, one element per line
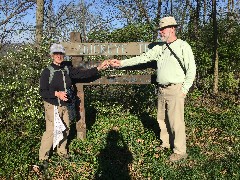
<point>77,50</point>
<point>122,79</point>
<point>97,49</point>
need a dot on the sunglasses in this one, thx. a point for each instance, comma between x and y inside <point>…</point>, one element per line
<point>58,53</point>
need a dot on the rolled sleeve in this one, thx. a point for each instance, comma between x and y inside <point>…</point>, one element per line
<point>152,54</point>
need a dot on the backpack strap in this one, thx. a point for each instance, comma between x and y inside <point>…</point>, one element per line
<point>178,59</point>
<point>64,78</point>
<point>52,71</point>
<point>66,68</point>
<point>64,81</point>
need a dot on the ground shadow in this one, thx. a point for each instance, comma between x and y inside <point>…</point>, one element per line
<point>171,135</point>
<point>90,119</point>
<point>91,115</point>
<point>74,114</point>
<point>150,123</point>
<point>114,159</point>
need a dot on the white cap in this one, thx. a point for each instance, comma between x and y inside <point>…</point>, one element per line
<point>57,48</point>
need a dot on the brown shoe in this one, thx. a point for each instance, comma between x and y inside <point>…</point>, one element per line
<point>65,156</point>
<point>177,157</point>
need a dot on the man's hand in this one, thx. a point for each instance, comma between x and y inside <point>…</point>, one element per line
<point>104,65</point>
<point>115,63</point>
<point>61,95</point>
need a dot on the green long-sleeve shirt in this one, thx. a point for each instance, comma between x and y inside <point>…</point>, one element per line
<point>168,68</point>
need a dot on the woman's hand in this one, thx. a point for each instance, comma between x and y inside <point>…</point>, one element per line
<point>104,65</point>
<point>61,95</point>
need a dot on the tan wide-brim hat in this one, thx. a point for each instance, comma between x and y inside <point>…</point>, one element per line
<point>167,22</point>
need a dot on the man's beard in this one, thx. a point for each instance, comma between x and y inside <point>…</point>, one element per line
<point>165,38</point>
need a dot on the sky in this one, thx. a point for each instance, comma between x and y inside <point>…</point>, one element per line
<point>30,19</point>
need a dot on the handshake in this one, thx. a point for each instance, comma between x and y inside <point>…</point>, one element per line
<point>107,63</point>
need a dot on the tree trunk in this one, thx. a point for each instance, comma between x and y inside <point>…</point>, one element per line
<point>50,23</point>
<point>184,16</point>
<point>39,21</point>
<point>197,20</point>
<point>171,7</point>
<point>230,6</point>
<point>204,11</point>
<point>83,21</point>
<point>158,16</point>
<point>215,47</point>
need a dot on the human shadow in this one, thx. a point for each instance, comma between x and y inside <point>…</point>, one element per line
<point>90,118</point>
<point>150,123</point>
<point>74,115</point>
<point>171,134</point>
<point>91,115</point>
<point>114,159</point>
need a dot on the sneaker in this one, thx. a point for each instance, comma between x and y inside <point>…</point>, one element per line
<point>177,157</point>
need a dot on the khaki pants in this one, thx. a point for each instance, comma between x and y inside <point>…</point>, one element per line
<point>47,138</point>
<point>170,117</point>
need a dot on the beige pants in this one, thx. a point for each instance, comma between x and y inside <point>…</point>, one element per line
<point>170,117</point>
<point>47,138</point>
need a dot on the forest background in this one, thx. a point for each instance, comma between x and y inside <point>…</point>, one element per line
<point>121,119</point>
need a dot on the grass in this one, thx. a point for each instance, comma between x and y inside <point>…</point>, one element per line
<point>125,145</point>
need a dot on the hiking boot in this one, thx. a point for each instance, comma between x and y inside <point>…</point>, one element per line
<point>177,157</point>
<point>65,156</point>
<point>44,165</point>
<point>41,167</point>
<point>162,148</point>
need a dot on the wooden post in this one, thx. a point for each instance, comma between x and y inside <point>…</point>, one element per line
<point>81,123</point>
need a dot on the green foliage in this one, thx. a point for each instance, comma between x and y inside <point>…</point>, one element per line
<point>228,54</point>
<point>119,144</point>
<point>130,33</point>
<point>21,113</point>
<point>228,82</point>
<point>123,133</point>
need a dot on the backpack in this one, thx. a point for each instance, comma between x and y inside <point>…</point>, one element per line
<point>52,71</point>
<point>70,94</point>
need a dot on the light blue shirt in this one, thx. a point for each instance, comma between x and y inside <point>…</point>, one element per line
<point>168,68</point>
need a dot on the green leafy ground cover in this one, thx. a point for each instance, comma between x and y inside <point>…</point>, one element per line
<point>123,144</point>
<point>122,131</point>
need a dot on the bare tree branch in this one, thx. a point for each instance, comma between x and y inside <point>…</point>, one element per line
<point>18,10</point>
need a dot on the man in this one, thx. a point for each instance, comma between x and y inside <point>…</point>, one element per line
<point>55,89</point>
<point>173,84</point>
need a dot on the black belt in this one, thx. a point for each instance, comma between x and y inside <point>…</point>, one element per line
<point>165,85</point>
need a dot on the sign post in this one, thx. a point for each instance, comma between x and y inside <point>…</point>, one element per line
<point>78,50</point>
<point>76,60</point>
